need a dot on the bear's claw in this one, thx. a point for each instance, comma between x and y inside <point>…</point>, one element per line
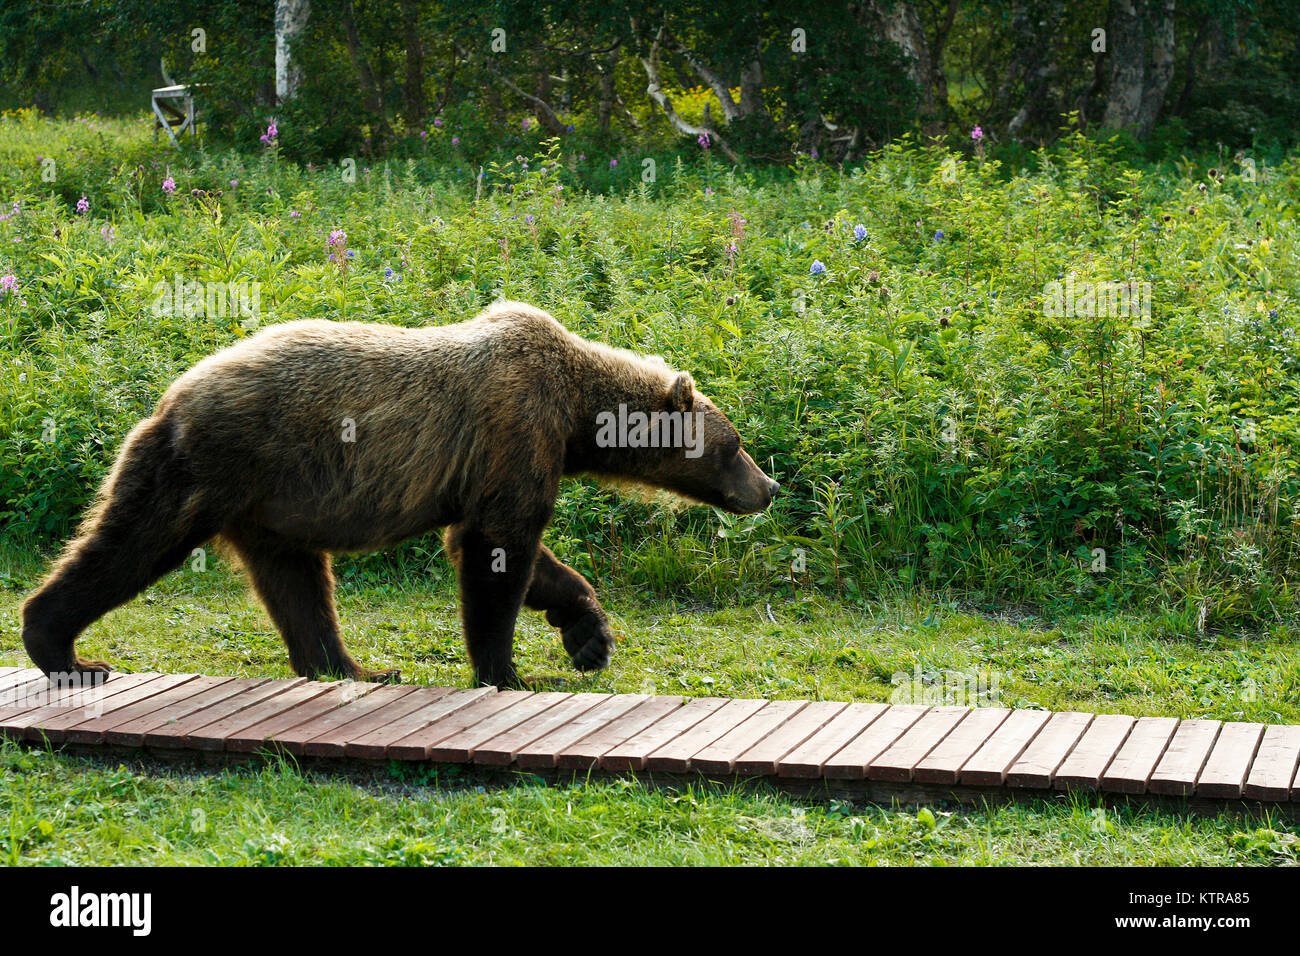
<point>390,675</point>
<point>589,642</point>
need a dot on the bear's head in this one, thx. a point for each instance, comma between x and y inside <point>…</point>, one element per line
<point>678,441</point>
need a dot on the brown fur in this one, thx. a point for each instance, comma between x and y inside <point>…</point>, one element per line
<point>468,427</point>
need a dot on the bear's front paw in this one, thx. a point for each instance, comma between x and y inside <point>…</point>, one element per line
<point>589,642</point>
<point>91,672</point>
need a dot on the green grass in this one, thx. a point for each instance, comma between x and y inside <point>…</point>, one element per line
<point>57,810</point>
<point>952,453</point>
<point>69,809</point>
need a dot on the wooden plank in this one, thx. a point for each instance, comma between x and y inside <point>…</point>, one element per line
<point>19,676</point>
<point>677,753</point>
<point>416,746</point>
<point>132,733</point>
<point>212,706</point>
<point>329,735</point>
<point>632,752</point>
<point>375,744</point>
<point>460,746</point>
<point>265,733</point>
<point>1186,754</point>
<point>585,754</point>
<point>294,739</point>
<point>1275,767</point>
<point>1093,753</point>
<point>988,766</point>
<point>1136,760</point>
<point>501,749</point>
<point>1036,767</point>
<point>75,701</point>
<point>853,760</point>
<point>761,759</point>
<point>212,736</point>
<point>899,759</point>
<point>95,731</point>
<point>720,756</point>
<point>1224,774</point>
<point>30,689</point>
<point>14,677</point>
<point>943,764</point>
<point>543,751</point>
<point>806,760</point>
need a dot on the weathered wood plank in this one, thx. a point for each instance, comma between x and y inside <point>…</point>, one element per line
<point>943,764</point>
<point>1136,760</point>
<point>328,736</point>
<point>174,735</point>
<point>96,730</point>
<point>416,745</point>
<point>676,754</point>
<point>1093,753</point>
<point>1275,767</point>
<point>806,760</point>
<point>720,756</point>
<point>632,752</point>
<point>78,702</point>
<point>1036,767</point>
<point>325,707</point>
<point>1186,754</point>
<point>213,736</point>
<point>375,744</point>
<point>855,758</point>
<point>988,766</point>
<point>461,746</point>
<point>338,719</point>
<point>28,690</point>
<point>761,759</point>
<point>1224,774</point>
<point>899,759</point>
<point>585,754</point>
<point>545,750</point>
<point>132,733</point>
<point>501,749</point>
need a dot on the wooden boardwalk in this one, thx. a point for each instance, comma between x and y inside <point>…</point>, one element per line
<point>873,751</point>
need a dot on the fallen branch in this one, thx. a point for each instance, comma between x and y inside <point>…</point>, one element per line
<point>656,93</point>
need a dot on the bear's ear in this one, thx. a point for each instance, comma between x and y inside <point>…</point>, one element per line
<point>681,394</point>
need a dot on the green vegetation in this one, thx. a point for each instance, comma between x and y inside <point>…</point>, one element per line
<point>935,424</point>
<point>953,455</point>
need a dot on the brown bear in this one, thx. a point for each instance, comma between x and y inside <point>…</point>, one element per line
<point>313,437</point>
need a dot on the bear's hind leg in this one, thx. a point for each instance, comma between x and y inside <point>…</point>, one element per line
<point>148,521</point>
<point>297,588</point>
<point>570,604</point>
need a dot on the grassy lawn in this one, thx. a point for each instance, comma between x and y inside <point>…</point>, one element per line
<point>988,483</point>
<point>56,808</point>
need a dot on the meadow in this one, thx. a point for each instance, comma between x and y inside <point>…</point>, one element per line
<point>1091,510</point>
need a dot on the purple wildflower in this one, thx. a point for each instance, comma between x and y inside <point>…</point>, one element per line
<point>83,205</point>
<point>817,268</point>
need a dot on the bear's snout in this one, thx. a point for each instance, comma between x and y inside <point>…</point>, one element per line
<point>774,490</point>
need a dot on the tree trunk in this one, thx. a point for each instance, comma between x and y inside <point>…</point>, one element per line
<point>417,109</point>
<point>290,20</point>
<point>370,95</point>
<point>901,25</point>
<point>1126,64</point>
<point>1161,65</point>
<point>608,92</point>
